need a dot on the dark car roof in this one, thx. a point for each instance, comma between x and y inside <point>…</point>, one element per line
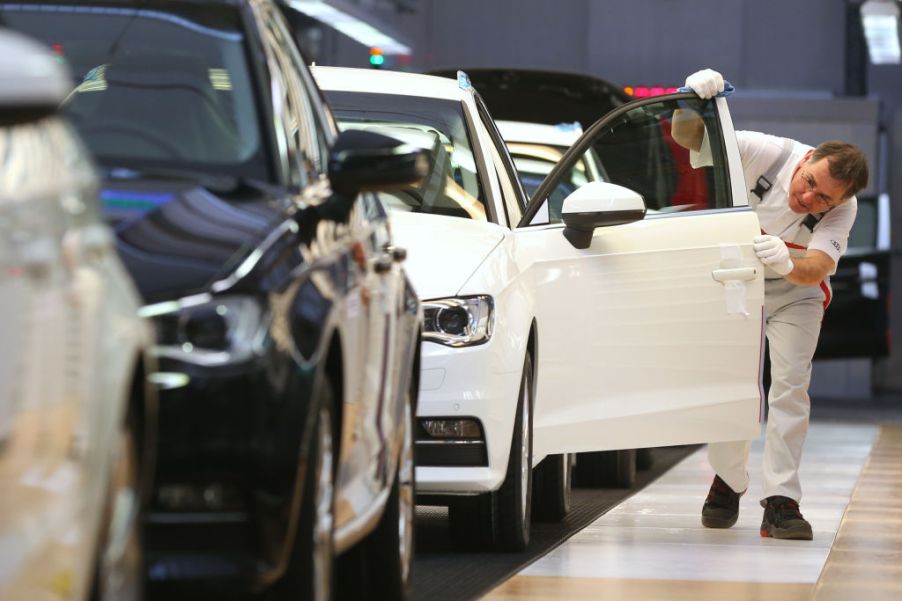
<point>542,96</point>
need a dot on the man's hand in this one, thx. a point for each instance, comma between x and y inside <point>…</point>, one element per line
<point>707,83</point>
<point>773,252</point>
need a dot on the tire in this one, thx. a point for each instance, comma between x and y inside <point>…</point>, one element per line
<point>513,501</point>
<point>471,522</point>
<point>645,458</point>
<point>551,487</point>
<point>119,571</point>
<point>390,547</point>
<point>309,575</point>
<point>615,469</point>
<point>501,519</point>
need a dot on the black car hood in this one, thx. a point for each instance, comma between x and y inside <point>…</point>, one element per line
<point>543,96</point>
<point>177,237</point>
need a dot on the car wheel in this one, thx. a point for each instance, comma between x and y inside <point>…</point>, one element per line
<point>645,458</point>
<point>308,576</point>
<point>502,519</point>
<point>390,547</point>
<point>551,487</point>
<point>471,522</point>
<point>513,501</point>
<point>119,575</point>
<point>606,468</point>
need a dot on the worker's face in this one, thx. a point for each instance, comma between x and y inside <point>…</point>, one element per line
<point>812,190</point>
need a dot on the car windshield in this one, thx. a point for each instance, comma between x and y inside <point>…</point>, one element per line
<point>154,87</point>
<point>436,125</point>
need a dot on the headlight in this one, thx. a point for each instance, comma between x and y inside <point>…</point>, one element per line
<point>207,330</point>
<point>464,321</point>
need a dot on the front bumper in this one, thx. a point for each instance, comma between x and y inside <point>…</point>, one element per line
<point>227,460</point>
<point>466,383</point>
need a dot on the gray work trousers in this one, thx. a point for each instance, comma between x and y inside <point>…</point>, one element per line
<point>793,323</point>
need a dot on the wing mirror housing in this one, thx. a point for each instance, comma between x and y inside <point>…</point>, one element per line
<point>363,160</point>
<point>32,82</point>
<point>598,204</point>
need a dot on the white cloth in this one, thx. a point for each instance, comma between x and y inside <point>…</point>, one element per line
<point>793,322</point>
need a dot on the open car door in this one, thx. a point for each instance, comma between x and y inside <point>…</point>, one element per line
<point>649,297</point>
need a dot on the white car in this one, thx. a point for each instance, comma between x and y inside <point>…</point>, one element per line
<point>76,417</point>
<point>603,329</point>
<point>537,147</point>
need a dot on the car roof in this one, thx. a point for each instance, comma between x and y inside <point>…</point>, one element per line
<point>346,79</point>
<point>562,134</point>
<point>543,96</point>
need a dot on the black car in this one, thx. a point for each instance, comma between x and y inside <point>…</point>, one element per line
<point>287,332</point>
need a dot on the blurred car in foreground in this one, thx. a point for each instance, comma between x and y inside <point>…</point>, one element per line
<point>76,415</point>
<point>545,335</point>
<point>287,332</point>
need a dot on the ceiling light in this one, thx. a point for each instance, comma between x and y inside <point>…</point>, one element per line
<point>880,19</point>
<point>351,26</point>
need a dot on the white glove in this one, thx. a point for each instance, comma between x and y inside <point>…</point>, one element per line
<point>773,252</point>
<point>707,83</point>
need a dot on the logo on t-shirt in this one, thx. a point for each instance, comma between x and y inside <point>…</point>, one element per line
<point>835,244</point>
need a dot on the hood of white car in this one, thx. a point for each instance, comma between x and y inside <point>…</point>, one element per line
<point>442,252</point>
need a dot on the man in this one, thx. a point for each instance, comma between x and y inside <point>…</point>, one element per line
<point>804,198</point>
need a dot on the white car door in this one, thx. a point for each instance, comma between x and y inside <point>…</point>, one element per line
<point>652,335</point>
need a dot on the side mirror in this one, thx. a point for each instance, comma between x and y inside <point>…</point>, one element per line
<point>598,204</point>
<point>32,82</point>
<point>364,160</point>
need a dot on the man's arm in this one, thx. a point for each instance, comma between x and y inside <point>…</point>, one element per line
<point>802,271</point>
<point>811,269</point>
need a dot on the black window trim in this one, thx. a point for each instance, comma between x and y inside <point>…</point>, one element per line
<point>506,159</point>
<point>482,169</point>
<point>587,139</point>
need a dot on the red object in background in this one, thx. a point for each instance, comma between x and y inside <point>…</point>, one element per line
<point>692,185</point>
<point>646,92</point>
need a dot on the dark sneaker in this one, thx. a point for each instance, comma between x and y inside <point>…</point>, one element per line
<point>721,509</point>
<point>782,519</point>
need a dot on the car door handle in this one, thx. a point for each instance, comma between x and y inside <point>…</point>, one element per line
<point>397,253</point>
<point>739,273</point>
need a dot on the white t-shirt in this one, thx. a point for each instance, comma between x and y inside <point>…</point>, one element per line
<point>758,152</point>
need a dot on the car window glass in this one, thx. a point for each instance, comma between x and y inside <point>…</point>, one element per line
<point>452,187</point>
<point>535,161</point>
<point>170,87</point>
<point>636,150</point>
<point>864,230</point>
